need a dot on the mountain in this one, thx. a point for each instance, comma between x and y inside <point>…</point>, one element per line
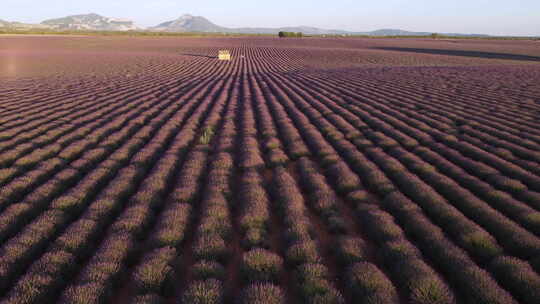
<point>21,26</point>
<point>92,22</point>
<point>189,23</point>
<point>396,32</point>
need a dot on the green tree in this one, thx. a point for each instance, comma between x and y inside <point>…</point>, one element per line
<point>290,34</point>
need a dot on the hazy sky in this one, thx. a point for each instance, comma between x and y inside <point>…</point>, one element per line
<point>497,17</point>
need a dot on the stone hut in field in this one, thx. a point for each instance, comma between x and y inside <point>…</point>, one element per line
<point>224,55</point>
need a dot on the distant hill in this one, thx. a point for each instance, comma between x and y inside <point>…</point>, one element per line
<point>304,29</point>
<point>190,23</point>
<point>20,25</point>
<point>397,32</point>
<point>92,22</point>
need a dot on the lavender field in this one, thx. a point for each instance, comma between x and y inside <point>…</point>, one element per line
<point>144,170</point>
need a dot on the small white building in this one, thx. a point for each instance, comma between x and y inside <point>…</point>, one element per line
<point>224,55</point>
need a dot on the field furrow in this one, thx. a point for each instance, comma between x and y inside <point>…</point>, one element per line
<point>310,170</point>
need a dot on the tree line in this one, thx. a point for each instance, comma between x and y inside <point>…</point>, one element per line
<point>290,34</point>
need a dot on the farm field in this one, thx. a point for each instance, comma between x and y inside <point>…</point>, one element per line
<point>144,170</point>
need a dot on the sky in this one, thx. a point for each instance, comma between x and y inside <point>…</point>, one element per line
<point>494,17</point>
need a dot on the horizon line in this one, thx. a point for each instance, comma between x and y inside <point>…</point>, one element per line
<point>277,27</point>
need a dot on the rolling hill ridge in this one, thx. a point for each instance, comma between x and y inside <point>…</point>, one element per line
<point>191,23</point>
